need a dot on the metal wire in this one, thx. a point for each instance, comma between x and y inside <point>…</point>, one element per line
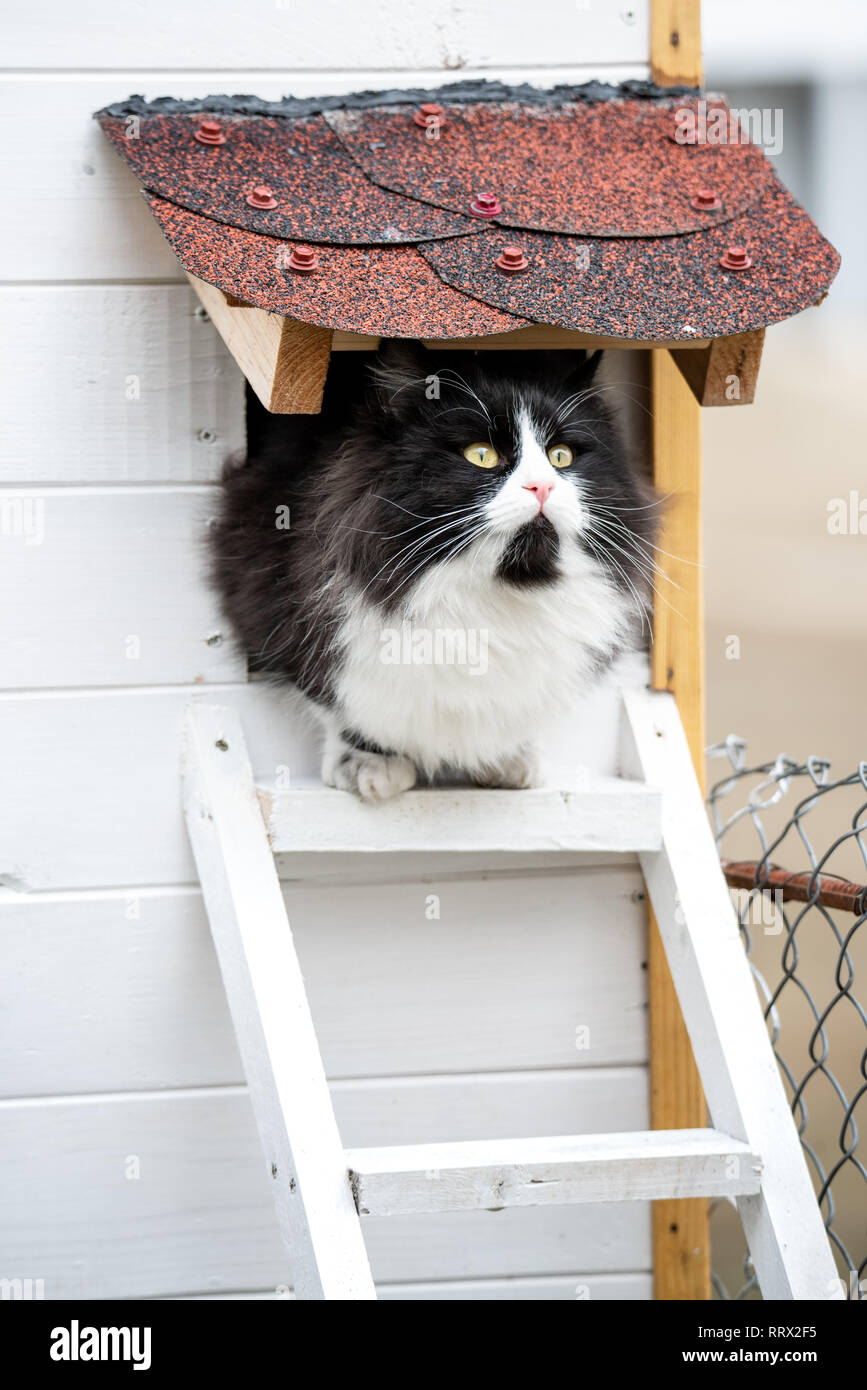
<point>804,962</point>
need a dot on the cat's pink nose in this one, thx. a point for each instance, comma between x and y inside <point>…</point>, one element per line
<point>542,491</point>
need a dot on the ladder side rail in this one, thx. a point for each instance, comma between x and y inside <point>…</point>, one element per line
<point>270,1011</point>
<point>783,1225</point>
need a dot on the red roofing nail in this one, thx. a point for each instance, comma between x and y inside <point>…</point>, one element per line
<point>209,133</point>
<point>511,259</point>
<point>429,114</point>
<point>735,258</point>
<point>485,205</point>
<point>261,197</point>
<point>303,258</point>
<point>706,200</point>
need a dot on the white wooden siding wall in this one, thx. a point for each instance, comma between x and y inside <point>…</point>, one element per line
<point>129,1159</point>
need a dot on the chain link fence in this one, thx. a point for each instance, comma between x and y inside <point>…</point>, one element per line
<point>793,842</point>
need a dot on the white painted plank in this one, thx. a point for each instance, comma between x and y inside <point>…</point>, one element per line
<point>129,384</point>
<point>437,1109</point>
<point>153,1196</point>
<point>510,975</point>
<point>271,1015</point>
<point>442,35</point>
<point>86,218</point>
<point>119,991</point>
<point>595,814</point>
<point>492,1174</point>
<point>92,782</point>
<point>555,1288</point>
<point>152,996</point>
<point>115,589</point>
<point>149,1012</point>
<point>787,1240</point>
<point>319,870</point>
<point>505,979</point>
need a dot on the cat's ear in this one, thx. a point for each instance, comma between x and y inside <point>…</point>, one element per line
<point>400,373</point>
<point>583,367</point>
<point>578,371</point>
<point>591,364</point>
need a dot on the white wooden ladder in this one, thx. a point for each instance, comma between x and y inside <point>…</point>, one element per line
<point>654,809</point>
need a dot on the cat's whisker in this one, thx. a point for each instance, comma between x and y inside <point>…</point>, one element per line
<point>595,497</point>
<point>419,544</point>
<point>383,535</point>
<point>645,564</point>
<point>460,545</point>
<point>592,392</point>
<point>605,557</point>
<point>623,533</point>
<point>670,606</point>
<point>651,586</point>
<point>460,513</point>
<point>579,397</point>
<point>455,541</point>
<point>464,514</point>
<point>457,381</point>
<point>379,498</point>
<point>641,541</point>
<point>462,384</point>
<point>451,410</point>
<point>388,378</point>
<point>642,606</point>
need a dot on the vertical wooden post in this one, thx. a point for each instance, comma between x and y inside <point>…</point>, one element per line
<point>675,42</point>
<point>681,1255</point>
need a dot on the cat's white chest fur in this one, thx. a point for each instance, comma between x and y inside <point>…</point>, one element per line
<point>473,665</point>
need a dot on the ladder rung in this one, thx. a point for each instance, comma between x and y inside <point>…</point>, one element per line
<point>601,814</point>
<point>492,1174</point>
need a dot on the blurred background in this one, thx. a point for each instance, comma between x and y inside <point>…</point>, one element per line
<point>794,594</point>
<point>786,597</point>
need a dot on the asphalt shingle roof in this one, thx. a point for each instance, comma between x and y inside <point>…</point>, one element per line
<point>408,210</point>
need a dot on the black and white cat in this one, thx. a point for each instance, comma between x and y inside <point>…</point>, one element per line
<point>441,563</point>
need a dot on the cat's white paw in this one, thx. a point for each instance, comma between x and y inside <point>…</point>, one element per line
<point>374,777</point>
<point>517,772</point>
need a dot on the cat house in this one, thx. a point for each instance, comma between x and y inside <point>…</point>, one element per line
<point>504,993</point>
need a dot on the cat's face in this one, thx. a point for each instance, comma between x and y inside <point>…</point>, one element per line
<point>511,456</point>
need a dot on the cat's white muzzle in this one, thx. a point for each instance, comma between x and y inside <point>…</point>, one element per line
<point>530,490</point>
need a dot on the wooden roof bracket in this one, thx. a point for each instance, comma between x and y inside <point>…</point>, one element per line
<point>286,361</point>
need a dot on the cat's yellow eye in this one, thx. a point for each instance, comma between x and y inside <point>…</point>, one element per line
<point>560,455</point>
<point>482,455</point>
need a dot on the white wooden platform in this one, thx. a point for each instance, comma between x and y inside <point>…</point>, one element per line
<point>597,814</point>
<point>487,1175</point>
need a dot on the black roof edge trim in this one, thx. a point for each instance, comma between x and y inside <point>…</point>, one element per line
<point>481,90</point>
